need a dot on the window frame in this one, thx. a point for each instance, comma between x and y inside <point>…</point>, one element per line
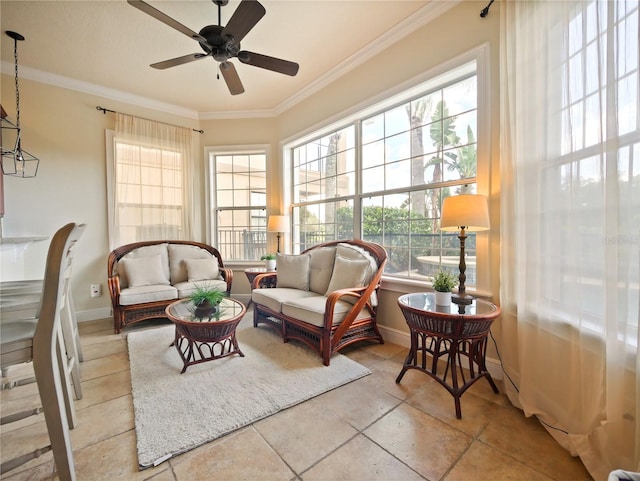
<point>210,186</point>
<point>436,77</point>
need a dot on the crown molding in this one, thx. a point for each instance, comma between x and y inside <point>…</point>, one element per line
<point>423,16</point>
<point>61,81</point>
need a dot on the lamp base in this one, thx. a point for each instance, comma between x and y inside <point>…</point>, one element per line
<point>464,299</point>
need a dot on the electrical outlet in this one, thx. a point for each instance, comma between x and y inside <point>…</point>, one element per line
<point>96,290</point>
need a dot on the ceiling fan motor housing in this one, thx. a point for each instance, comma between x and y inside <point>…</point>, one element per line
<point>221,48</point>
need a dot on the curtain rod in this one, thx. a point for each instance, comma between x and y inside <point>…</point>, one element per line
<point>485,11</point>
<point>104,111</point>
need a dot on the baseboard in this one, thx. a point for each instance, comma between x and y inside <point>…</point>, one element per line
<point>402,338</point>
<point>94,314</point>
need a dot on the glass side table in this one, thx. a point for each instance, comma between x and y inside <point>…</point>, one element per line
<point>205,339</point>
<point>448,334</point>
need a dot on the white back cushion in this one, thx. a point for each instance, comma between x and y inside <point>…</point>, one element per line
<point>321,268</point>
<point>178,253</point>
<point>202,269</point>
<point>350,251</point>
<point>145,251</point>
<point>293,271</point>
<point>145,271</point>
<point>348,273</point>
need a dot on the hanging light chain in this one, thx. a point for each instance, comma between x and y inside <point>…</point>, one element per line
<point>15,57</point>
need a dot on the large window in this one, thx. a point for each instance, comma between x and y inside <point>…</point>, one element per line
<point>148,165</point>
<point>238,197</point>
<point>382,175</point>
<point>593,176</point>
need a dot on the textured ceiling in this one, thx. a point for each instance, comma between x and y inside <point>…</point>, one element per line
<point>107,46</point>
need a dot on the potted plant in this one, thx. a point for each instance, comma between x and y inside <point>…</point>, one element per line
<point>269,261</point>
<point>443,283</point>
<point>206,300</point>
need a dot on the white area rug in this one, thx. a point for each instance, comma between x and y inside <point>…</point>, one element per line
<point>177,412</point>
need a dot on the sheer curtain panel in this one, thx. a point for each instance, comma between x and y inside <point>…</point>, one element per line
<point>151,187</point>
<point>570,217</point>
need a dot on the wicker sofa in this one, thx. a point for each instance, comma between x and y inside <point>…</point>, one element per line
<point>325,297</point>
<point>145,277</point>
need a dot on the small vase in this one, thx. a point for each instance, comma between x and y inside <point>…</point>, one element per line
<point>270,264</point>
<point>443,298</point>
<point>204,309</point>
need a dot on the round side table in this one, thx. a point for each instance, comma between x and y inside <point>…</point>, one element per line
<point>448,333</point>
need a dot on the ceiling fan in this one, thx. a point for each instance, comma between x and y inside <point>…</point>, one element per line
<point>223,43</point>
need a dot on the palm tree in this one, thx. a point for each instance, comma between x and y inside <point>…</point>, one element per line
<point>416,119</point>
<point>465,162</point>
<point>443,134</point>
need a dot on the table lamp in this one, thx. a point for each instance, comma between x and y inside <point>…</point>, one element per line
<point>466,213</point>
<point>279,224</point>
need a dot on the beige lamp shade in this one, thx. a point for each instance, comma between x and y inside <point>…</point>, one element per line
<point>470,211</point>
<point>278,223</point>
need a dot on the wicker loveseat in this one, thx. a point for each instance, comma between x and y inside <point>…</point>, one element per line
<point>145,277</point>
<point>325,297</point>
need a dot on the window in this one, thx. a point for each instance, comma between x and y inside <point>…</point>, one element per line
<point>593,180</point>
<point>381,176</point>
<point>238,198</point>
<point>146,169</point>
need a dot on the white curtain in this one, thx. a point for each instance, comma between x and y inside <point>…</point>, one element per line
<point>570,223</point>
<point>151,182</point>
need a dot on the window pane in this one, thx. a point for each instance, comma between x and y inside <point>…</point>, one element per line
<point>239,223</point>
<point>406,153</point>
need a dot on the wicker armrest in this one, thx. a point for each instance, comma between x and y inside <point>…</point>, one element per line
<point>227,275</point>
<point>114,287</point>
<point>266,280</point>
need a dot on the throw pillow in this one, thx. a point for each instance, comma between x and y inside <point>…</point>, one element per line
<point>145,271</point>
<point>347,273</point>
<point>293,271</point>
<point>201,269</point>
<point>321,268</point>
<point>180,252</point>
<point>350,251</point>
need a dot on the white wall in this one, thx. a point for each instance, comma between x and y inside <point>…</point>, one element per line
<point>66,132</point>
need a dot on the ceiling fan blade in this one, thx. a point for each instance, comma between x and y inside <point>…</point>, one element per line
<point>178,60</point>
<point>166,19</point>
<point>270,63</point>
<point>248,13</point>
<point>231,78</point>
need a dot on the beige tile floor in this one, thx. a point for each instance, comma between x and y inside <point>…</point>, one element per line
<point>371,429</point>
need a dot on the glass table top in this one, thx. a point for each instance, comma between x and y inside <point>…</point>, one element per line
<point>227,310</point>
<point>426,301</point>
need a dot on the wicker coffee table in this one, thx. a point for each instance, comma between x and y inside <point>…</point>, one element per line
<point>205,339</point>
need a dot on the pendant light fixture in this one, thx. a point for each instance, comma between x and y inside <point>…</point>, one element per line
<point>16,161</point>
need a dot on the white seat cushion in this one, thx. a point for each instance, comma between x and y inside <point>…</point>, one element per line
<point>311,310</point>
<point>142,294</point>
<point>274,297</point>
